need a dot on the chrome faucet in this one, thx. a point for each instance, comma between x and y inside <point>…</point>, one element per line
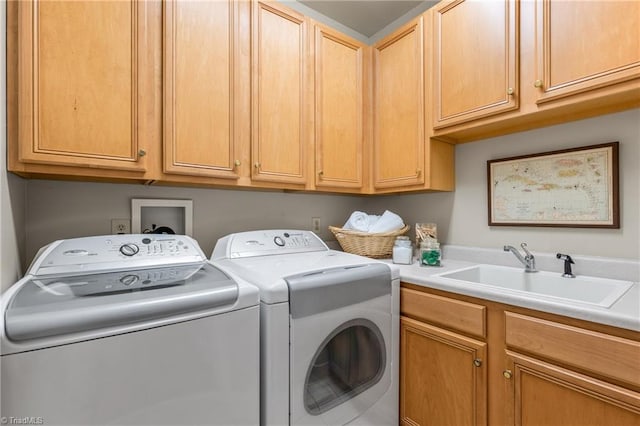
<point>528,260</point>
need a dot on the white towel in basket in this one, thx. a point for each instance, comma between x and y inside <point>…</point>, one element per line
<point>389,221</point>
<point>360,221</point>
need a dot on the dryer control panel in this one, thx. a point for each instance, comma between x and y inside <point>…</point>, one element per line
<point>266,243</point>
<point>116,252</point>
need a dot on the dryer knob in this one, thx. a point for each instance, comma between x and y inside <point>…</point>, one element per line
<point>129,249</point>
<point>279,241</point>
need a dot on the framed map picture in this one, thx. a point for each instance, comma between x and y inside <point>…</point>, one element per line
<point>576,188</point>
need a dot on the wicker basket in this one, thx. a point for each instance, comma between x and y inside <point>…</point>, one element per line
<point>376,246</point>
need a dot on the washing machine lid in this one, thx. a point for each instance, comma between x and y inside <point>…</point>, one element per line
<point>60,305</point>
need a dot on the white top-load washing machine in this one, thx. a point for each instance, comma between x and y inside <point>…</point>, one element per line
<point>129,329</point>
<point>329,324</point>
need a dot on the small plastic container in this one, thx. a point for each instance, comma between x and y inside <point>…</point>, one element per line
<point>430,253</point>
<point>402,250</point>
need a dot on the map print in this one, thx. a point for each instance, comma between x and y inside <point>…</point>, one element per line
<point>571,186</point>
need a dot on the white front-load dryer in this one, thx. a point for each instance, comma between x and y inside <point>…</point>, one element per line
<point>342,346</point>
<point>129,330</point>
<point>329,329</point>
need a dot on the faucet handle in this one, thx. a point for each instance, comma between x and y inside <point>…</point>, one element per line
<point>528,253</point>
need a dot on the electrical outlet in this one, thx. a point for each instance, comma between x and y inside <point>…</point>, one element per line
<point>315,224</point>
<point>120,226</point>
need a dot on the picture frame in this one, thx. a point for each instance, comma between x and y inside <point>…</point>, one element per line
<point>573,188</point>
<point>167,213</point>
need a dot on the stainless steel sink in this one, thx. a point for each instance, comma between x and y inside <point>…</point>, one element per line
<point>583,289</point>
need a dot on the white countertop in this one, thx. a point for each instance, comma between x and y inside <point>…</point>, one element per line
<point>624,313</point>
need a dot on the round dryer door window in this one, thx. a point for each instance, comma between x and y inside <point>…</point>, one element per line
<point>350,360</point>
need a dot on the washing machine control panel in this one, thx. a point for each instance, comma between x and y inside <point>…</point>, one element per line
<point>264,243</point>
<point>107,283</point>
<point>114,252</point>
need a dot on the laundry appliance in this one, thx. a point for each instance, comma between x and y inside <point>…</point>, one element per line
<point>329,327</point>
<point>129,329</point>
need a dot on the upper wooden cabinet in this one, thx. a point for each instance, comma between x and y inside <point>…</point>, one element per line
<point>398,109</point>
<point>280,94</point>
<point>584,45</point>
<point>204,74</point>
<point>505,66</point>
<point>475,69</point>
<point>340,83</point>
<point>243,93</point>
<point>83,83</point>
<point>231,92</point>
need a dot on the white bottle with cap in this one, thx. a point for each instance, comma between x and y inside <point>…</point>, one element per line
<point>402,250</point>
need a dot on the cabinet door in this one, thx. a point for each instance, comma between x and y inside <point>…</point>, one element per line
<point>279,98</point>
<point>398,157</point>
<point>339,109</point>
<point>202,77</point>
<point>442,377</point>
<point>475,60</point>
<point>546,394</point>
<point>583,45</point>
<point>82,79</point>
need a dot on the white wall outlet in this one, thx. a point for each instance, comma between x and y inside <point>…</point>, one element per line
<point>315,224</point>
<point>120,226</point>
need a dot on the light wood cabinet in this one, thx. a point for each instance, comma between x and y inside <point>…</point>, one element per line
<point>398,108</point>
<point>229,93</point>
<point>204,76</point>
<point>281,95</point>
<point>475,69</point>
<point>83,84</point>
<point>545,394</point>
<point>443,371</point>
<point>234,93</point>
<point>541,368</point>
<point>567,377</point>
<point>340,83</point>
<point>442,377</point>
<point>560,60</point>
<point>585,45</point>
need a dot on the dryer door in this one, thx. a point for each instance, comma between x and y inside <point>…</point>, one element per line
<point>340,343</point>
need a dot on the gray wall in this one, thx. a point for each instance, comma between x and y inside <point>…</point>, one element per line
<point>73,209</point>
<point>462,216</point>
<point>12,188</point>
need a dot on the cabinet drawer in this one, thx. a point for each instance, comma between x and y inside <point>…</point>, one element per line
<point>454,314</point>
<point>610,356</point>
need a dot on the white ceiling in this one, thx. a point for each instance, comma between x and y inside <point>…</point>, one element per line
<point>366,17</point>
